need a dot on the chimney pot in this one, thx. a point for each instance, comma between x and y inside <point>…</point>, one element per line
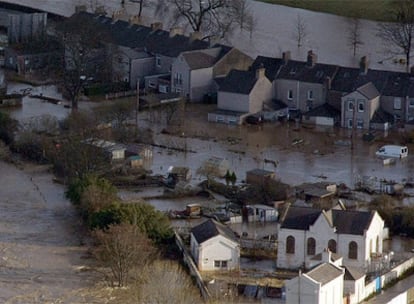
<point>175,31</point>
<point>156,26</point>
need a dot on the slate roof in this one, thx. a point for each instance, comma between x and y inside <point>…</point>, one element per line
<point>300,218</point>
<point>351,222</point>
<point>299,70</point>
<point>237,81</point>
<point>324,273</point>
<point>210,229</point>
<point>199,60</point>
<point>325,110</point>
<point>352,274</point>
<point>380,117</point>
<point>368,90</point>
<point>345,221</point>
<point>334,257</point>
<point>272,65</point>
<point>139,36</point>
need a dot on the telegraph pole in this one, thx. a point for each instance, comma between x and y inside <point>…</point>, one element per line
<point>137,110</point>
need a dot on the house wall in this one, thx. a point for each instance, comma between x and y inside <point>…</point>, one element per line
<point>332,292</point>
<point>234,59</point>
<point>300,290</point>
<point>233,102</point>
<point>165,65</point>
<point>287,260</point>
<point>261,93</point>
<point>387,104</point>
<point>139,69</point>
<point>218,248</point>
<point>201,82</point>
<point>370,107</point>
<point>180,66</point>
<point>299,93</point>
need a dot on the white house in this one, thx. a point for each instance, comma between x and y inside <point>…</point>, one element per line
<point>322,285</point>
<point>214,247</point>
<point>354,285</point>
<point>305,232</point>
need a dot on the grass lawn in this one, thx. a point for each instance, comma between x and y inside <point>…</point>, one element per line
<point>366,9</point>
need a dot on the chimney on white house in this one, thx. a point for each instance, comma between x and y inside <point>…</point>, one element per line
<point>195,36</point>
<point>260,72</point>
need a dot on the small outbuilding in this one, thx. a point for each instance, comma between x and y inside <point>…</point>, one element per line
<point>214,247</point>
<point>259,176</point>
<point>262,213</point>
<point>216,166</point>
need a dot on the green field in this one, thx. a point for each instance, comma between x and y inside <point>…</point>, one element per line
<point>366,9</point>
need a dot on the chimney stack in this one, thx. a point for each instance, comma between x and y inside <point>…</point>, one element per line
<point>363,65</point>
<point>134,20</point>
<point>80,8</point>
<point>175,31</point>
<point>156,26</point>
<point>311,59</point>
<point>286,57</point>
<point>326,256</point>
<point>195,36</point>
<point>260,72</point>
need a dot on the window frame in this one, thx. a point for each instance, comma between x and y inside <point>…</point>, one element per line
<point>290,244</point>
<point>290,94</point>
<point>353,252</point>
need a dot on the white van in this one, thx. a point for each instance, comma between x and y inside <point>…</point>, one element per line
<point>392,151</point>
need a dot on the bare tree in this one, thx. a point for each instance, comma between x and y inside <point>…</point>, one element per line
<point>123,248</point>
<point>354,34</point>
<point>300,31</point>
<point>400,33</point>
<point>210,17</point>
<point>85,55</point>
<point>141,5</point>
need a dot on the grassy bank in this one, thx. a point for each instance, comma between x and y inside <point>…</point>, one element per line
<point>366,9</point>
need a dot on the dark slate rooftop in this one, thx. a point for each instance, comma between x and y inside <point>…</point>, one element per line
<point>300,218</point>
<point>352,274</point>
<point>210,229</point>
<point>368,90</point>
<point>237,81</point>
<point>272,66</point>
<point>380,116</point>
<point>299,70</point>
<point>199,60</point>
<point>324,273</point>
<point>325,110</point>
<point>139,36</point>
<point>351,222</point>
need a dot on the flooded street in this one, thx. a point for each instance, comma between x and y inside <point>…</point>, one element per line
<point>42,260</point>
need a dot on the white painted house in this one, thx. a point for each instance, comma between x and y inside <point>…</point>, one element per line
<point>305,232</point>
<point>214,247</point>
<point>322,285</point>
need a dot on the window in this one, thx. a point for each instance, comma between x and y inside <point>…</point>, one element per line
<point>361,105</point>
<point>220,264</point>
<point>332,245</point>
<point>152,84</point>
<point>290,245</point>
<point>350,123</point>
<point>311,246</point>
<point>350,104</point>
<point>411,104</point>
<point>360,124</point>
<point>158,61</point>
<point>310,95</point>
<point>290,95</point>
<point>309,104</point>
<point>178,79</point>
<point>397,103</point>
<point>353,250</point>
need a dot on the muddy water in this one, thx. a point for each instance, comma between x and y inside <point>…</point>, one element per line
<point>40,254</point>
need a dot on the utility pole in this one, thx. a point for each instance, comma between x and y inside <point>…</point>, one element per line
<point>137,110</point>
<point>353,125</point>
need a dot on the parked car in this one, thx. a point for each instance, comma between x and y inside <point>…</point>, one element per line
<point>392,151</point>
